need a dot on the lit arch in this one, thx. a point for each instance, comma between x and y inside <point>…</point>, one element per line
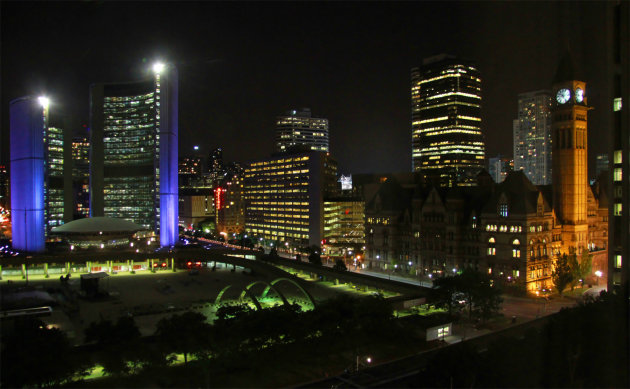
<point>218,299</point>
<point>306,294</point>
<point>516,241</point>
<point>491,240</point>
<point>264,294</point>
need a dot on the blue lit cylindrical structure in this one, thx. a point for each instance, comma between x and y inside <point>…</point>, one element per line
<point>168,85</point>
<point>27,125</point>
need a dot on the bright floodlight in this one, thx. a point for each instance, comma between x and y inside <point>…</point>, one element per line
<point>158,67</point>
<point>598,273</point>
<point>43,101</point>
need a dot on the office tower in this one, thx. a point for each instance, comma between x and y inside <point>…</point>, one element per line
<point>215,163</point>
<point>344,225</point>
<point>499,167</point>
<point>619,212</point>
<point>58,173</point>
<point>447,142</point>
<point>601,164</point>
<point>229,205</point>
<point>195,206</point>
<point>570,163</point>
<point>190,172</point>
<point>299,128</point>
<point>28,122</point>
<point>133,156</point>
<point>284,197</point>
<point>532,136</point>
<point>81,177</point>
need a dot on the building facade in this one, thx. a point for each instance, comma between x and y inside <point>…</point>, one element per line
<point>532,136</point>
<point>619,60</point>
<point>299,128</point>
<point>195,206</point>
<point>230,206</point>
<point>284,197</point>
<point>133,152</point>
<point>81,177</point>
<point>344,225</point>
<point>447,140</point>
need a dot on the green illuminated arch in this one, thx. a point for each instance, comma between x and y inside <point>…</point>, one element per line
<point>218,299</point>
<point>274,282</point>
<point>264,294</point>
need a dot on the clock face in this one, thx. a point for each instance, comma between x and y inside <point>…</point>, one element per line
<point>563,95</point>
<point>579,95</point>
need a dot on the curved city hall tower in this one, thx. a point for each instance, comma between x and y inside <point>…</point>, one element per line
<point>570,169</point>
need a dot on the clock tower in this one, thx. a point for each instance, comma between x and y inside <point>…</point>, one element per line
<point>569,155</point>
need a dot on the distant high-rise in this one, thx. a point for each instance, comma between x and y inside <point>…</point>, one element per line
<point>299,128</point>
<point>532,136</point>
<point>133,156</point>
<point>81,176</point>
<point>215,162</point>
<point>447,141</point>
<point>499,167</point>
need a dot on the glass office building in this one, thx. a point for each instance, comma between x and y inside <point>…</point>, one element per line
<point>134,153</point>
<point>447,141</point>
<point>299,128</point>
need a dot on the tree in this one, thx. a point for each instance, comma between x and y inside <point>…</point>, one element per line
<point>186,333</point>
<point>315,258</point>
<point>35,355</point>
<point>561,275</point>
<point>487,298</point>
<point>444,292</point>
<point>339,265</point>
<point>575,270</point>
<point>119,344</point>
<point>585,266</point>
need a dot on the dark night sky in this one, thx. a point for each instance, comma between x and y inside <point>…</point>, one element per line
<point>242,64</point>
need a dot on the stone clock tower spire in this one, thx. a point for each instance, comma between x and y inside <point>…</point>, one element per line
<point>569,145</point>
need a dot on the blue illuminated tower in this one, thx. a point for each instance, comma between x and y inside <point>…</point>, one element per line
<point>28,118</point>
<point>133,152</point>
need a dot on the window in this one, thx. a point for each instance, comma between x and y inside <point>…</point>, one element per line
<point>617,209</point>
<point>503,210</point>
<point>617,261</point>
<point>516,248</point>
<point>617,104</point>
<point>617,174</point>
<point>617,156</point>
<point>491,249</point>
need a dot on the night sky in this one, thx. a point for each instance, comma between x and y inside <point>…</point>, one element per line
<point>242,64</point>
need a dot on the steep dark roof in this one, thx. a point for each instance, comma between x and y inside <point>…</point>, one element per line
<point>522,195</point>
<point>392,197</point>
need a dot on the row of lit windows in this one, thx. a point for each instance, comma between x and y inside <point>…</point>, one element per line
<point>503,228</point>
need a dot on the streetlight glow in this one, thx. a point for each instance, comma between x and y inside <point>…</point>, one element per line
<point>158,67</point>
<point>43,101</point>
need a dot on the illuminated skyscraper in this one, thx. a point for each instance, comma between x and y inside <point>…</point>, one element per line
<point>298,128</point>
<point>532,136</point>
<point>447,141</point>
<point>40,173</point>
<point>134,152</point>
<point>284,196</point>
<point>499,167</point>
<point>81,176</point>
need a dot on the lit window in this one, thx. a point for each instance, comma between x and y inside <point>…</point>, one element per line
<point>503,210</point>
<point>617,174</point>
<point>617,209</point>
<point>617,104</point>
<point>617,156</point>
<point>617,261</point>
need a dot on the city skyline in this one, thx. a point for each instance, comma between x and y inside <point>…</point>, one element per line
<point>242,64</point>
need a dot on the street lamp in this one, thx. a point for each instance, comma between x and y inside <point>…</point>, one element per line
<point>43,101</point>
<point>158,67</point>
<point>598,274</point>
